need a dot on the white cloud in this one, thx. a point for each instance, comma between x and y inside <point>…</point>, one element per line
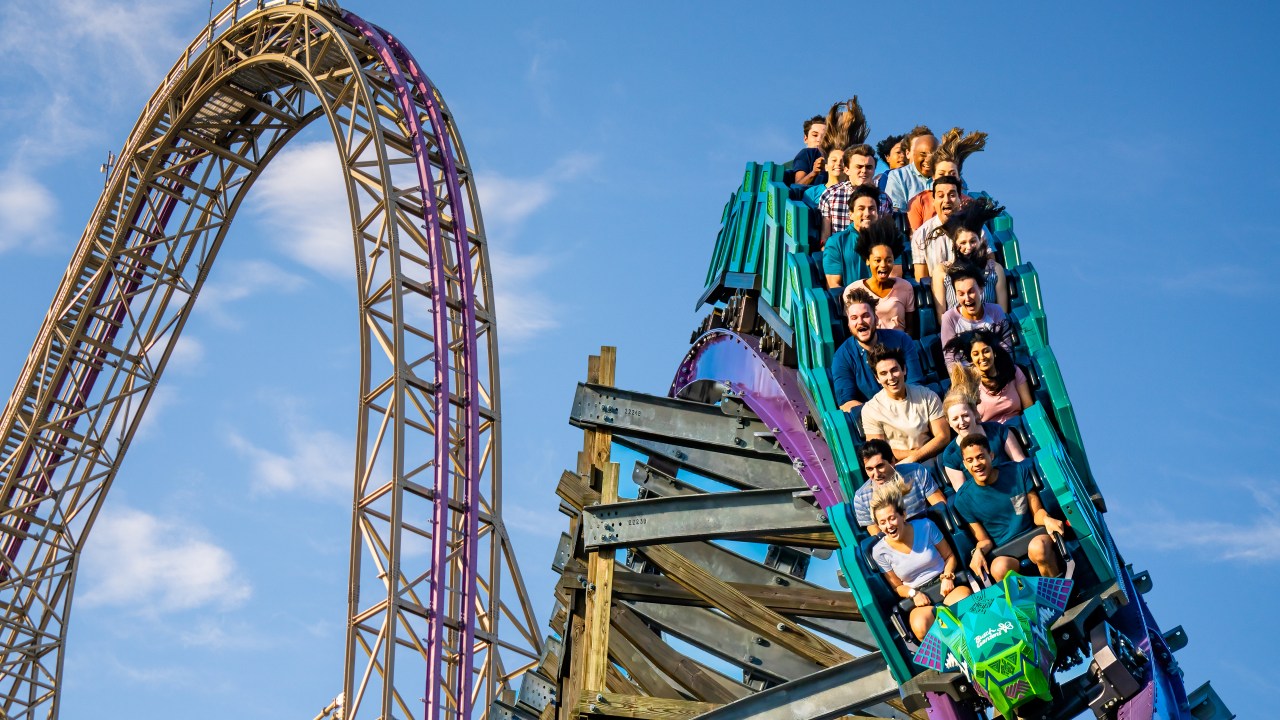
<point>1252,534</point>
<point>304,197</point>
<point>150,566</point>
<point>317,462</point>
<point>236,281</point>
<point>524,309</point>
<point>187,355</point>
<point>27,210</point>
<point>508,201</point>
<point>221,633</point>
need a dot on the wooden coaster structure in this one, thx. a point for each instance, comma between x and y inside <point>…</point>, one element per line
<point>643,581</point>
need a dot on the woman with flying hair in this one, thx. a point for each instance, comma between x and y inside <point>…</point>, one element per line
<point>961,411</point>
<point>991,376</point>
<point>964,228</point>
<point>912,554</point>
<point>948,159</point>
<point>846,126</point>
<point>880,246</point>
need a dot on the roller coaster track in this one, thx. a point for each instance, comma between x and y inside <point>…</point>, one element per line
<point>428,452</point>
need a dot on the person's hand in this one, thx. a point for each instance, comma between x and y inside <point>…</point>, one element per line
<point>921,600</point>
<point>817,164</point>
<point>1053,526</point>
<point>978,564</point>
<point>947,586</point>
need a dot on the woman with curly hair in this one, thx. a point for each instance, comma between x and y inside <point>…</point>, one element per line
<point>991,375</point>
<point>968,248</point>
<point>880,245</point>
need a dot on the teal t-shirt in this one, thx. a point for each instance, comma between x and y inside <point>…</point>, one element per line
<point>839,258</point>
<point>1001,507</point>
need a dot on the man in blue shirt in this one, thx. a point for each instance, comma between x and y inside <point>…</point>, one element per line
<point>904,183</point>
<point>999,502</point>
<point>878,464</point>
<point>853,379</point>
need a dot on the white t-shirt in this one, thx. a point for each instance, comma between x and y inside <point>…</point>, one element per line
<point>919,566</point>
<point>904,423</point>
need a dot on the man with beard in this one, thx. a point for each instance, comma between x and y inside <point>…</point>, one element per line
<point>970,312</point>
<point>1000,503</point>
<point>837,201</point>
<point>907,416</point>
<point>902,184</point>
<point>930,245</point>
<point>851,373</point>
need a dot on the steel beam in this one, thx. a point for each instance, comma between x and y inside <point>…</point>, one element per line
<point>730,467</point>
<point>829,693</point>
<point>626,412</point>
<point>699,517</point>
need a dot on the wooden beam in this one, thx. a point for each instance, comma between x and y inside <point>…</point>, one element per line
<point>795,600</point>
<point>575,490</point>
<point>642,670</point>
<point>743,610</point>
<point>599,598</point>
<point>616,682</point>
<point>641,708</point>
<point>697,680</point>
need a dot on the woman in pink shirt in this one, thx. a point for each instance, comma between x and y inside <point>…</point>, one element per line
<point>879,245</point>
<point>991,375</point>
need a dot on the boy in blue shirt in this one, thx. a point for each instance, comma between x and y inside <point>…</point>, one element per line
<point>806,168</point>
<point>999,502</point>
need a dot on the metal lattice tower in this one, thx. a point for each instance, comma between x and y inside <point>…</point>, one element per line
<point>428,452</point>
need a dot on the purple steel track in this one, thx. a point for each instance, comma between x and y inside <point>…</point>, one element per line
<point>393,55</point>
<point>85,384</point>
<point>736,362</point>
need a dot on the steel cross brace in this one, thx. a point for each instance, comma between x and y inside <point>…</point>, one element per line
<point>729,467</point>
<point>625,412</point>
<point>699,517</point>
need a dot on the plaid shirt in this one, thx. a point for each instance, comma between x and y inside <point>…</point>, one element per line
<point>834,205</point>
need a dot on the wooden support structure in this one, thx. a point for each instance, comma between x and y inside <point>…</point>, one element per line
<point>616,659</point>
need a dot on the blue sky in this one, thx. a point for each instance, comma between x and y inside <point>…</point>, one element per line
<point>1129,142</point>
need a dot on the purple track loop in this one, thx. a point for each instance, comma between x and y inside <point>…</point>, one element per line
<point>392,55</point>
<point>470,367</point>
<point>440,506</point>
<point>735,362</point>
